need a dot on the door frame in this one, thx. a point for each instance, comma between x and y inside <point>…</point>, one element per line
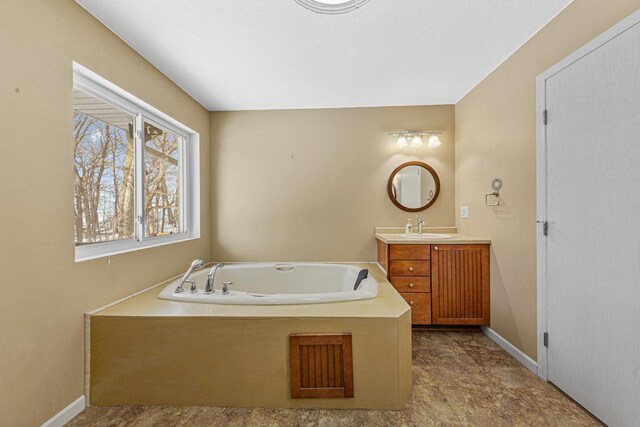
<point>541,178</point>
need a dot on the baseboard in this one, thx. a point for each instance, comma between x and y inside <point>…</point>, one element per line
<point>64,416</point>
<point>528,362</point>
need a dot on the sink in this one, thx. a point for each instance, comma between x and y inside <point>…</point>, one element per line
<point>432,236</point>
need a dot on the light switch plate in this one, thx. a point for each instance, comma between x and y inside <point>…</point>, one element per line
<point>464,212</point>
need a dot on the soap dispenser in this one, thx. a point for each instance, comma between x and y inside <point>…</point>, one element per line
<point>409,227</point>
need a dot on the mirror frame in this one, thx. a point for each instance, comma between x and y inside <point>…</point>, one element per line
<point>436,178</point>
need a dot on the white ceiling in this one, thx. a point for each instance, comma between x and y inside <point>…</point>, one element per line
<point>274,54</point>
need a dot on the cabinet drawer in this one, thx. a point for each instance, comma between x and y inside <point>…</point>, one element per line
<point>411,284</point>
<point>420,307</point>
<point>410,268</point>
<point>410,252</point>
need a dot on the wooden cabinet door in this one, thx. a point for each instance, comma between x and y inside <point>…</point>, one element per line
<point>460,284</point>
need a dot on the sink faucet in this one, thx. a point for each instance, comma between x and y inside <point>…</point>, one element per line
<point>209,289</point>
<point>420,222</point>
<point>195,265</point>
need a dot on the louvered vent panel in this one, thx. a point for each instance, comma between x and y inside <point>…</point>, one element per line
<point>321,366</point>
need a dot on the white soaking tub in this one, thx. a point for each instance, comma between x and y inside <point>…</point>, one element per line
<point>275,284</point>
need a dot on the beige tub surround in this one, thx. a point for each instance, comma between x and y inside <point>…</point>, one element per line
<point>148,351</point>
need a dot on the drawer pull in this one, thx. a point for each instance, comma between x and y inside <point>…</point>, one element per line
<point>410,268</point>
<point>411,285</point>
<point>435,248</point>
<point>410,302</point>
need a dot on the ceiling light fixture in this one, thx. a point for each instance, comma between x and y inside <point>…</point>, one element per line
<point>332,7</point>
<point>414,137</point>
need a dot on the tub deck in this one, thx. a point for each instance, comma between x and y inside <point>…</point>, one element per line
<point>148,351</point>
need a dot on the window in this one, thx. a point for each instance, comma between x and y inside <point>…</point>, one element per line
<point>162,180</point>
<point>135,172</point>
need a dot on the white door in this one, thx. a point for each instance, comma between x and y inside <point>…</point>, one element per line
<point>593,211</point>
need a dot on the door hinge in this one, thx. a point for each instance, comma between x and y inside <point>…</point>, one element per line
<point>545,339</point>
<point>545,117</point>
<point>545,227</point>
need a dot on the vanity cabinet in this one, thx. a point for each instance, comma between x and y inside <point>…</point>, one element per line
<point>444,284</point>
<point>460,284</point>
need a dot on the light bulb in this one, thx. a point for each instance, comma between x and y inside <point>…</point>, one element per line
<point>434,142</point>
<point>402,141</point>
<point>417,141</point>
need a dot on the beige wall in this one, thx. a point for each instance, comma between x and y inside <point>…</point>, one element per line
<point>283,185</point>
<point>44,292</point>
<point>310,185</point>
<point>496,136</point>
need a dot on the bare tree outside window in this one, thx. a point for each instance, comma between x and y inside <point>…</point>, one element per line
<point>104,171</point>
<point>162,180</point>
<point>104,198</point>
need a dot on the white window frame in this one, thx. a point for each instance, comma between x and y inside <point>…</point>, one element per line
<point>100,88</point>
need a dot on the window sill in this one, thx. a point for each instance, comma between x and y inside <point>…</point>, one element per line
<point>101,250</point>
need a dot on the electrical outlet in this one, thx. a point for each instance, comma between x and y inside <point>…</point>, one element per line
<point>464,212</point>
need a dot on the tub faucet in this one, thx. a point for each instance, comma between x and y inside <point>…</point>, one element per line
<point>209,289</point>
<point>225,288</point>
<point>420,222</point>
<point>195,265</point>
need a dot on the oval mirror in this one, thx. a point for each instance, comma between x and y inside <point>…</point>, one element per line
<point>413,186</point>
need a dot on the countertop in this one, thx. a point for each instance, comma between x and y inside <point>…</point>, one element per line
<point>388,304</point>
<point>393,235</point>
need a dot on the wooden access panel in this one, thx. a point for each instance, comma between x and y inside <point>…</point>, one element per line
<point>321,366</point>
<point>460,284</point>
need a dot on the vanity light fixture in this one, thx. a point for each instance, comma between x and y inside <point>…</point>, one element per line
<point>332,7</point>
<point>434,140</point>
<point>415,138</point>
<point>402,141</point>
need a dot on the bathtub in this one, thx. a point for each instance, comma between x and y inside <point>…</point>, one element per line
<point>278,284</point>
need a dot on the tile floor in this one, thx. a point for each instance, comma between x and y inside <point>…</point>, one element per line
<point>459,379</point>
